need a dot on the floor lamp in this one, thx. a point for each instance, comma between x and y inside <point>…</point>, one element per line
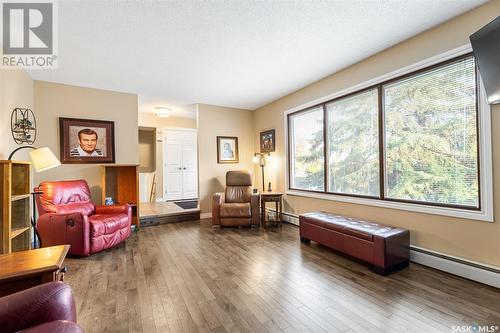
<point>261,159</point>
<point>42,159</point>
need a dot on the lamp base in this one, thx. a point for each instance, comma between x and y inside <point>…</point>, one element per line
<point>37,241</point>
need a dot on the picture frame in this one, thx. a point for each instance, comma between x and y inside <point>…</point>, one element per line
<point>86,141</point>
<point>267,141</point>
<point>227,149</point>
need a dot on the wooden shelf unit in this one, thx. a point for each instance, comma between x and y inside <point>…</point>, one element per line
<point>15,223</point>
<point>121,182</point>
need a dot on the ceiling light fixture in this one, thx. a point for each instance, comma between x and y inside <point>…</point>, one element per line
<point>163,112</point>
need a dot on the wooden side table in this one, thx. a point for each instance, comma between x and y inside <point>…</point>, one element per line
<point>276,197</point>
<point>26,269</point>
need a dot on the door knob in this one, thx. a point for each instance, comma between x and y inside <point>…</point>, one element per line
<point>184,168</point>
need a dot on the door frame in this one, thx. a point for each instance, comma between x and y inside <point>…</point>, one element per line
<point>164,157</point>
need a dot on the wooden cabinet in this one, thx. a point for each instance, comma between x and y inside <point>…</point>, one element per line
<point>121,182</point>
<point>15,223</point>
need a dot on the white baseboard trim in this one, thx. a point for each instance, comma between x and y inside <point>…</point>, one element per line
<point>457,266</point>
<point>468,269</point>
<point>159,200</point>
<point>291,219</point>
<point>206,215</point>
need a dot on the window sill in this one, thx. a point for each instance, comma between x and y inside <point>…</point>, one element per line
<point>482,215</point>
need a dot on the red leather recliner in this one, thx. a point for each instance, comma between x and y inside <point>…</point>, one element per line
<point>68,216</point>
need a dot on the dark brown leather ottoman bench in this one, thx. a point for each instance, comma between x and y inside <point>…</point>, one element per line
<point>385,248</point>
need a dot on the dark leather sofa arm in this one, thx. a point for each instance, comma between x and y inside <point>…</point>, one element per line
<point>114,209</point>
<point>217,200</point>
<point>42,304</point>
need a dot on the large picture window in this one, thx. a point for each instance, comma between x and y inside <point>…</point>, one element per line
<point>411,139</point>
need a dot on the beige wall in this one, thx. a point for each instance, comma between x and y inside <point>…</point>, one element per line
<point>16,90</point>
<point>474,240</point>
<point>216,121</point>
<point>52,100</point>
<point>151,120</point>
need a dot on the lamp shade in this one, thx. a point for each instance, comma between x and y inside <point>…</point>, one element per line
<point>43,159</point>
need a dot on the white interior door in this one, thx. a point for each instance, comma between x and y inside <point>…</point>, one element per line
<point>189,165</point>
<point>180,156</point>
<point>172,164</point>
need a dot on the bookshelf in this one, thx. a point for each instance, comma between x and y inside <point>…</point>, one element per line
<point>121,182</point>
<point>15,223</point>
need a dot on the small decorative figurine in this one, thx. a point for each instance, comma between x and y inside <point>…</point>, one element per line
<point>269,189</point>
<point>108,201</point>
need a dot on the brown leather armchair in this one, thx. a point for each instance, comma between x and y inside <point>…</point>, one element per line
<point>237,206</point>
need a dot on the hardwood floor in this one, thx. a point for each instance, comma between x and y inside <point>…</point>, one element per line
<point>188,277</point>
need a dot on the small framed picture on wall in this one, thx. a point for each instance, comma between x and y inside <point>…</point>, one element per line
<point>227,149</point>
<point>86,141</point>
<point>267,141</point>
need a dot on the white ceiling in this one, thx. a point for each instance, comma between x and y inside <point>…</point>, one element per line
<point>241,54</point>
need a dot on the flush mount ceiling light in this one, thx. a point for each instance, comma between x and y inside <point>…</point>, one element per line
<point>163,112</point>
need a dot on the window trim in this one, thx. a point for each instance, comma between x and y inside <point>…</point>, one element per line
<point>485,210</point>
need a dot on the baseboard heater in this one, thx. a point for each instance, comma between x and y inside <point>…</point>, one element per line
<point>471,270</point>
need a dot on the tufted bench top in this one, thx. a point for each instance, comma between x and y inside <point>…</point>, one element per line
<point>348,225</point>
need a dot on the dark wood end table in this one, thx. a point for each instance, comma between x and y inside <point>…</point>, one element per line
<point>276,197</point>
<point>26,269</point>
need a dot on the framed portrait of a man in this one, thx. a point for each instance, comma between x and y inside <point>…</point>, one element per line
<point>227,149</point>
<point>86,141</point>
